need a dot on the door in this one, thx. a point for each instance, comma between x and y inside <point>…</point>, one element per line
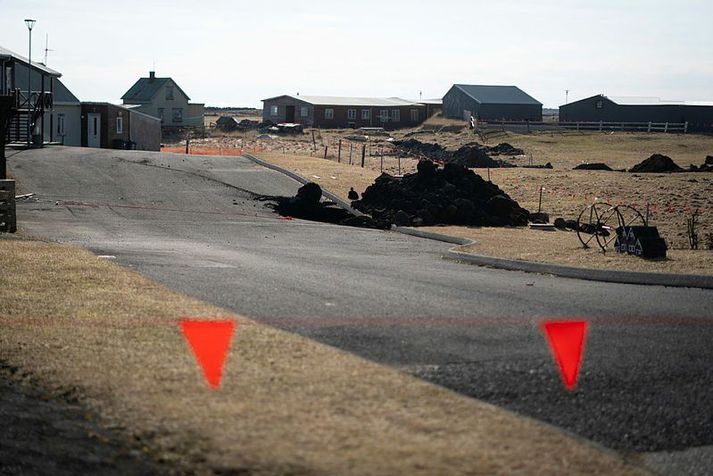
<point>94,126</point>
<point>289,113</point>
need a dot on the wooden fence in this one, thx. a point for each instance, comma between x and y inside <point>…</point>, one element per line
<point>601,126</point>
<point>8,218</point>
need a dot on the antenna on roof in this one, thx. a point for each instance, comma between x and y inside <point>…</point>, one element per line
<point>566,96</point>
<point>420,95</point>
<point>47,40</point>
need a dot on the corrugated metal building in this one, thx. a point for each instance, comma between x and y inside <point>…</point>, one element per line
<point>343,112</point>
<point>493,103</point>
<point>698,114</point>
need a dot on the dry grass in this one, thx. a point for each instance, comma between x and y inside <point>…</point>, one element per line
<point>287,405</point>
<point>672,197</point>
<point>564,248</point>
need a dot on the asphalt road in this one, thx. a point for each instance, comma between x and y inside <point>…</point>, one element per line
<point>192,223</point>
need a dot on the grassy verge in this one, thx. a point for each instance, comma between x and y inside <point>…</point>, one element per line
<point>288,405</point>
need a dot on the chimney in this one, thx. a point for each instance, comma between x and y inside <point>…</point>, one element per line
<point>152,75</point>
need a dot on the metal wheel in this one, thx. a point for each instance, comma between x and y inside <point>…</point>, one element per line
<point>599,221</point>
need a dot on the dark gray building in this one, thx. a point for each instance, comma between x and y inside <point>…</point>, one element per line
<point>491,103</point>
<point>699,115</point>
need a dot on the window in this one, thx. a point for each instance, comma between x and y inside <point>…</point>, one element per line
<point>95,129</point>
<point>351,114</point>
<point>304,111</point>
<point>329,113</point>
<point>169,93</point>
<point>274,110</point>
<point>60,124</point>
<point>599,104</point>
<point>160,113</point>
<point>177,114</point>
<point>366,114</point>
<point>414,115</point>
<point>396,115</point>
<point>119,125</point>
<point>384,115</point>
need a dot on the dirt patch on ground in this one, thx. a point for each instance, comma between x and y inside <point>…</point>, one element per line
<point>85,327</point>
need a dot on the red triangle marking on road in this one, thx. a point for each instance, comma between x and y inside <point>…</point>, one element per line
<point>566,340</point>
<point>210,342</point>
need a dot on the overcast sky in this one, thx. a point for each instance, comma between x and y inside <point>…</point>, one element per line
<point>235,53</point>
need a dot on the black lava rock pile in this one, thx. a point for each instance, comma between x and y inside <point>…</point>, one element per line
<point>453,195</point>
<point>471,155</point>
<point>307,205</point>
<point>594,166</point>
<point>657,163</point>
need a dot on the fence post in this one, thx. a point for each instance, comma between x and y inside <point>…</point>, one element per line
<point>601,124</point>
<point>685,127</point>
<point>339,151</point>
<point>577,126</point>
<point>665,129</point>
<point>325,152</point>
<point>382,159</point>
<point>363,153</point>
<point>8,218</point>
<point>649,129</point>
<point>351,147</point>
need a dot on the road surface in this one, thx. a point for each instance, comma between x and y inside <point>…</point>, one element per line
<point>192,223</point>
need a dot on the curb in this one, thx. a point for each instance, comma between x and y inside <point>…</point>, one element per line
<point>339,201</point>
<point>609,276</point>
<point>588,274</point>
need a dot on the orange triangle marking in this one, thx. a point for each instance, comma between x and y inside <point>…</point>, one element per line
<point>210,342</point>
<point>566,340</point>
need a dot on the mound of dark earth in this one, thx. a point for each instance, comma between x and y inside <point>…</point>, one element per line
<point>594,166</point>
<point>307,205</point>
<point>453,195</point>
<point>657,163</point>
<point>471,155</point>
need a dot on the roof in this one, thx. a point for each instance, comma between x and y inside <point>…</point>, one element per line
<point>128,107</point>
<point>348,101</point>
<point>645,101</point>
<point>497,94</point>
<point>62,95</point>
<point>145,89</point>
<point>654,101</point>
<point>5,53</point>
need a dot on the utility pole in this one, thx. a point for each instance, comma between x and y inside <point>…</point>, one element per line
<point>30,23</point>
<point>566,96</point>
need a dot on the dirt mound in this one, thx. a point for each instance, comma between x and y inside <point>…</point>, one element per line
<point>425,149</point>
<point>471,155</point>
<point>476,156</point>
<point>657,163</point>
<point>594,166</point>
<point>452,195</point>
<point>307,206</point>
<point>505,149</point>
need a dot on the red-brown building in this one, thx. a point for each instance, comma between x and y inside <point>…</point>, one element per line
<point>343,112</point>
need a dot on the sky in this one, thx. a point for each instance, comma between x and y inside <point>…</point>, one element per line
<point>235,53</point>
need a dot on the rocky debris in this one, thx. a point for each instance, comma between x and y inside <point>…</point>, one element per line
<point>709,160</point>
<point>594,166</point>
<point>472,155</point>
<point>476,156</point>
<point>539,217</point>
<point>707,165</point>
<point>548,165</point>
<point>657,163</point>
<point>426,149</point>
<point>505,149</point>
<point>452,195</point>
<point>307,205</point>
